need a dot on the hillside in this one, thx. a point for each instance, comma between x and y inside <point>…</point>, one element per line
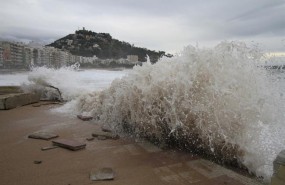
<point>87,43</point>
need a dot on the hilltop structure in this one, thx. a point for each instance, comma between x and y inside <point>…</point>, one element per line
<point>87,48</point>
<point>102,45</point>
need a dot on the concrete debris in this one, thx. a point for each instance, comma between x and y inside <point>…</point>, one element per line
<point>101,138</point>
<point>84,118</point>
<point>43,135</point>
<point>48,148</point>
<point>102,174</point>
<point>108,135</point>
<point>36,105</point>
<point>105,128</point>
<point>90,138</point>
<point>69,144</point>
<point>37,162</point>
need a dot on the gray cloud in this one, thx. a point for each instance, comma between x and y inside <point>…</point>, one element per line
<point>155,24</point>
<point>264,20</point>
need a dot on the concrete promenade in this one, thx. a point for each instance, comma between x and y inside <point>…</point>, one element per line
<point>135,163</point>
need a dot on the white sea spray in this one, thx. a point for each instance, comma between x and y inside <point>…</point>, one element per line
<point>42,79</point>
<point>72,83</point>
<point>216,100</point>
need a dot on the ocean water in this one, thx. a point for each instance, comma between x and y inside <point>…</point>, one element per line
<point>71,81</point>
<point>216,100</point>
<point>13,78</point>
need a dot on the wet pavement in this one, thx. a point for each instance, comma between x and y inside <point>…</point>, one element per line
<point>133,162</point>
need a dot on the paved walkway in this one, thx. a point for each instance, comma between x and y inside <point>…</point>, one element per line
<point>135,163</point>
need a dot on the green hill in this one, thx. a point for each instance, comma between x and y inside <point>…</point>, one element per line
<point>87,43</point>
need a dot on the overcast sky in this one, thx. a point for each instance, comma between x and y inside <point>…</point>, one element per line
<point>167,25</point>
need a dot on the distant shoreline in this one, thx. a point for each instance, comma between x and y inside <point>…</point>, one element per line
<point>11,71</point>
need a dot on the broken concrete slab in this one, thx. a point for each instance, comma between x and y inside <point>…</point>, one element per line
<point>10,101</point>
<point>105,128</point>
<point>69,144</point>
<point>101,138</point>
<point>43,135</point>
<point>48,148</point>
<point>90,138</point>
<point>84,118</point>
<point>36,105</point>
<point>108,135</point>
<point>102,174</point>
<point>37,162</point>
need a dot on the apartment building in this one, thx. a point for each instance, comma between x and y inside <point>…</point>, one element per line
<point>19,55</point>
<point>28,56</point>
<point>133,58</point>
<point>1,57</point>
<point>12,55</point>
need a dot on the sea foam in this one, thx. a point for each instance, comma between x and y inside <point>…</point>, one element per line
<point>212,100</point>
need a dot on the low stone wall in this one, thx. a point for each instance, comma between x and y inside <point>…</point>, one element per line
<point>10,89</point>
<point>10,101</point>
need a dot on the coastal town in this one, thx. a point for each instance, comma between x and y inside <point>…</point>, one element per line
<point>17,55</point>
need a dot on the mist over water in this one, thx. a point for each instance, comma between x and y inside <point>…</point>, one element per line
<point>213,100</point>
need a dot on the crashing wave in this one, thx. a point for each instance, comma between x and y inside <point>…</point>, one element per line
<point>212,100</point>
<point>56,84</point>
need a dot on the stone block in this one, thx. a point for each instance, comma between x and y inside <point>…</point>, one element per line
<point>43,135</point>
<point>10,101</point>
<point>69,144</point>
<point>102,174</point>
<point>48,148</point>
<point>84,118</point>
